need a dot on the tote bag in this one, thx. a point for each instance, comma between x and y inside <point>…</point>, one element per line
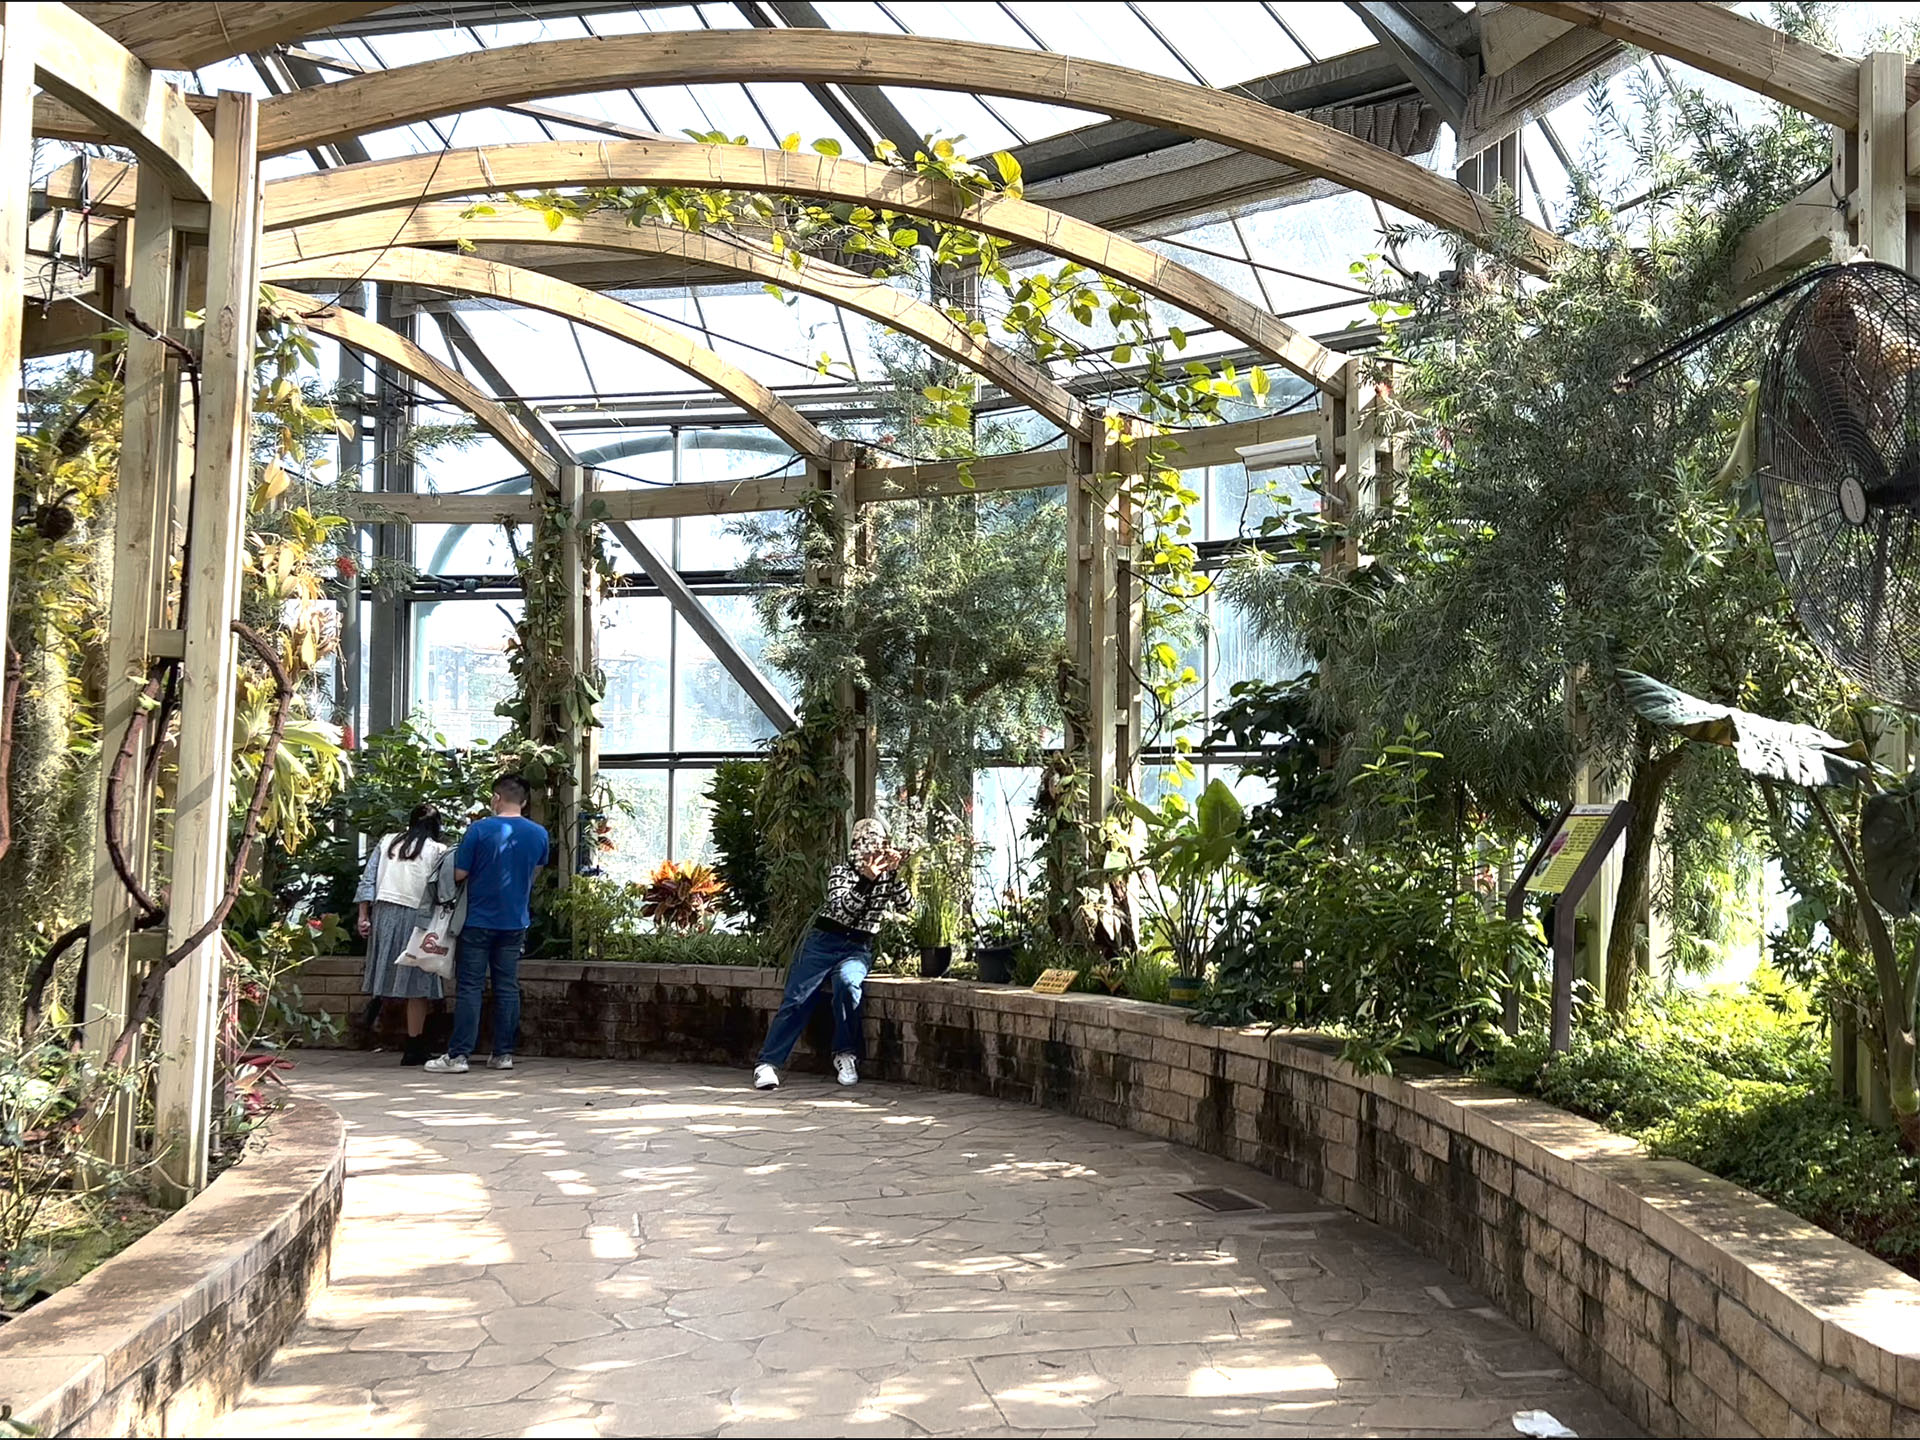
<point>431,948</point>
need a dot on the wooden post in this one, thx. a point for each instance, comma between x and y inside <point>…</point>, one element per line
<point>150,452</point>
<point>836,480</point>
<point>17,26</point>
<point>189,1033</point>
<point>575,566</point>
<point>1101,732</point>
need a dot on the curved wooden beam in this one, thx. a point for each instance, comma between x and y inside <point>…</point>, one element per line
<point>447,224</point>
<point>413,180</point>
<point>362,334</point>
<point>95,74</point>
<point>368,103</point>
<point>470,275</point>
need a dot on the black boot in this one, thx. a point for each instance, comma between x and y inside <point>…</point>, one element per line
<point>369,1018</point>
<point>416,1052</point>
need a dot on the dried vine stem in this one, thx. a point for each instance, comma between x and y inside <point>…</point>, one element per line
<point>42,975</point>
<point>152,912</point>
<point>9,708</point>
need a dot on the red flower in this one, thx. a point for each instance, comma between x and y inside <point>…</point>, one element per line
<point>346,737</point>
<point>316,926</point>
<point>348,567</point>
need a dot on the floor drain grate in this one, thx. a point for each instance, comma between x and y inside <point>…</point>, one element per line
<point>1220,1200</point>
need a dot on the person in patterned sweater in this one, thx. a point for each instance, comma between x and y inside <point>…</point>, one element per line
<point>863,891</point>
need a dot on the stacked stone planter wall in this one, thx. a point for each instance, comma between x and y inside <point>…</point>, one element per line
<point>1695,1306</point>
<point>162,1338</point>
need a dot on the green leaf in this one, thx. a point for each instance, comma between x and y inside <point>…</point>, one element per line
<point>1009,168</point>
<point>830,148</point>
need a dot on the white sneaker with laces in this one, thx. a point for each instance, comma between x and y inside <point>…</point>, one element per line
<point>446,1065</point>
<point>846,1069</point>
<point>765,1077</point>
<point>500,1062</point>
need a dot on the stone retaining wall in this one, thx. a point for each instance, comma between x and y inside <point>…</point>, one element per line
<point>1695,1306</point>
<point>162,1338</point>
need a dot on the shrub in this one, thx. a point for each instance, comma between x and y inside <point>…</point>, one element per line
<point>739,860</point>
<point>682,897</point>
<point>1809,1154</point>
<point>1671,1053</point>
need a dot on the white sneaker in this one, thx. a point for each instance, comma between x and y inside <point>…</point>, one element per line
<point>446,1065</point>
<point>765,1077</point>
<point>500,1062</point>
<point>846,1069</point>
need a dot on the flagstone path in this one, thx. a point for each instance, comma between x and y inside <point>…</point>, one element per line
<point>603,1248</point>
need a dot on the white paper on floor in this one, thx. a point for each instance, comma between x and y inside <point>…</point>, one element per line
<point>1538,1423</point>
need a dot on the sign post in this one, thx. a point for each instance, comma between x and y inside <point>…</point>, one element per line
<point>1564,867</point>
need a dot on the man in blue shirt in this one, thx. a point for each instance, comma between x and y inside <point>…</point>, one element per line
<point>496,861</point>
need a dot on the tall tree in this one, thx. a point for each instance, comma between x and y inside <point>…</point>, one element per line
<point>1550,531</point>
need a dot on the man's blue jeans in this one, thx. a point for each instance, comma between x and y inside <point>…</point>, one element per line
<point>824,953</point>
<point>480,953</point>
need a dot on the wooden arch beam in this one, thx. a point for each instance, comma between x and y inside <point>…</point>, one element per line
<point>413,180</point>
<point>362,334</point>
<point>367,103</point>
<point>448,224</point>
<point>82,65</point>
<point>470,275</point>
<point>1722,42</point>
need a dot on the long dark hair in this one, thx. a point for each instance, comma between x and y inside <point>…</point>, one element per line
<point>422,825</point>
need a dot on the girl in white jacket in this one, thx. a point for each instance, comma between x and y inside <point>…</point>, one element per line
<point>391,889</point>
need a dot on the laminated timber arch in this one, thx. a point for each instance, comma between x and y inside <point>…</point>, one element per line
<point>397,185</point>
<point>447,224</point>
<point>549,68</point>
<point>473,276</point>
<point>359,333</point>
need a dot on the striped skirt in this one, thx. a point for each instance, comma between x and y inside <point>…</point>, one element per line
<point>392,929</point>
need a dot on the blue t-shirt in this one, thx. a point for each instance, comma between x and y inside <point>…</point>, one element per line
<point>500,854</point>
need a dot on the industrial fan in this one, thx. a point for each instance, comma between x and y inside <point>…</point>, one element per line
<point>1837,464</point>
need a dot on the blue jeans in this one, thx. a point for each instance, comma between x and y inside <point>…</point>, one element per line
<point>479,953</point>
<point>824,953</point>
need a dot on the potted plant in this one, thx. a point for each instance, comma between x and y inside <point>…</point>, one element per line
<point>1190,871</point>
<point>999,937</point>
<point>936,919</point>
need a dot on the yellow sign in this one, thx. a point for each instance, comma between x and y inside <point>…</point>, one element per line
<point>1054,982</point>
<point>1568,848</point>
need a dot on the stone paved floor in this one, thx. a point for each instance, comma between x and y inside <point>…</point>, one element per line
<point>599,1248</point>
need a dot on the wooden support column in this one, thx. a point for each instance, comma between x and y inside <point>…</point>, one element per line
<point>860,744</point>
<point>189,1032</point>
<point>1093,552</point>
<point>17,30</point>
<point>151,452</point>
<point>575,565</point>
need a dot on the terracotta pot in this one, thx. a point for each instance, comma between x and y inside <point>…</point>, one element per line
<point>934,960</point>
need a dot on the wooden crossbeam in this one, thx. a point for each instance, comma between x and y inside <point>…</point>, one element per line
<point>170,36</point>
<point>1725,43</point>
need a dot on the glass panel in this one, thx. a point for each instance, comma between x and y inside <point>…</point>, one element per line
<point>707,542</point>
<point>460,666</point>
<point>634,638</point>
<point>714,713</point>
<point>1239,501</point>
<point>462,550</point>
<point>640,837</point>
<point>1002,806</point>
<point>692,817</point>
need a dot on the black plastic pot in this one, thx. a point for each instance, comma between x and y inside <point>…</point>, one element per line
<point>934,960</point>
<point>995,962</point>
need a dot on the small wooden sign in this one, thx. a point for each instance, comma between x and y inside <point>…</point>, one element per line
<point>1054,982</point>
